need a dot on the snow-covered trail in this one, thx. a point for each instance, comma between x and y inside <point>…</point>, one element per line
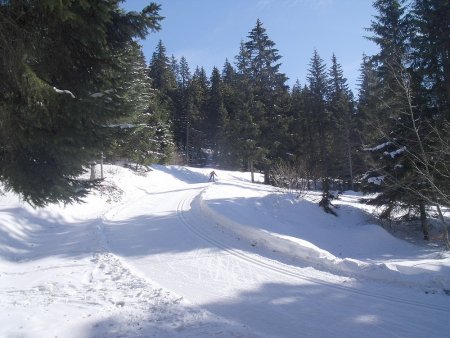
<point>163,234</point>
<point>58,277</point>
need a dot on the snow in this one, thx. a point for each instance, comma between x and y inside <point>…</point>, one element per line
<point>376,180</point>
<point>379,147</point>
<point>168,254</point>
<point>346,244</point>
<point>64,91</point>
<point>394,153</point>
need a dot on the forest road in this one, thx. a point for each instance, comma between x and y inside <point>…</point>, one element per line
<point>165,236</point>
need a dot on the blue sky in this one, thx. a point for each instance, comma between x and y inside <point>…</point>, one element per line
<point>207,32</point>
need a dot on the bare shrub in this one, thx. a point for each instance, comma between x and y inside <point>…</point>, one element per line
<point>291,177</point>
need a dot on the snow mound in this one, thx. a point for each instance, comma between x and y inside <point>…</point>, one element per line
<point>345,244</point>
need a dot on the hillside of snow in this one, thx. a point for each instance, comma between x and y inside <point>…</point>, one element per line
<point>168,254</point>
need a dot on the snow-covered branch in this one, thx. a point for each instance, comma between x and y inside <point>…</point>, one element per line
<point>64,91</point>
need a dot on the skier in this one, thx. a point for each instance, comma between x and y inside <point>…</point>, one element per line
<point>212,175</point>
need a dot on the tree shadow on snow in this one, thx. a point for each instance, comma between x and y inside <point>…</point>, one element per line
<point>27,235</point>
<point>184,174</point>
<point>287,310</point>
<point>243,184</point>
<point>349,235</point>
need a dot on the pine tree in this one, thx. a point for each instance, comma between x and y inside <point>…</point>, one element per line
<point>264,67</point>
<point>341,108</point>
<point>428,93</point>
<point>246,129</point>
<point>268,99</point>
<point>180,120</point>
<point>382,101</point>
<point>163,79</point>
<point>300,138</point>
<point>175,68</point>
<point>320,117</point>
<point>60,84</point>
<point>367,100</point>
<point>162,105</point>
<point>394,173</point>
<point>145,137</point>
<point>431,54</point>
<point>298,133</point>
<point>228,149</point>
<point>366,117</point>
<point>215,109</point>
<point>197,98</point>
<point>390,31</point>
<point>161,71</point>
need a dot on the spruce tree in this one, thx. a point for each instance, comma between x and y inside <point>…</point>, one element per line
<point>60,87</point>
<point>320,118</point>
<point>431,54</point>
<point>161,71</point>
<point>298,131</point>
<point>248,116</point>
<point>429,104</point>
<point>268,99</point>
<point>197,99</point>
<point>145,137</point>
<point>228,148</point>
<point>215,109</point>
<point>367,100</point>
<point>180,119</point>
<point>395,172</point>
<point>341,108</point>
<point>301,152</point>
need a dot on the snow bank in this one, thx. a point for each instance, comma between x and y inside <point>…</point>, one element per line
<point>301,230</point>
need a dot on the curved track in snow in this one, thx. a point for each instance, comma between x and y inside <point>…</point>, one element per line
<point>279,267</point>
<point>164,235</point>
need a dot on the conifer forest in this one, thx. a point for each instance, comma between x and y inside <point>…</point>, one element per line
<point>75,88</point>
<point>186,184</point>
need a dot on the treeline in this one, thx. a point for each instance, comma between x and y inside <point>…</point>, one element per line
<point>392,138</point>
<point>248,118</point>
<point>74,86</point>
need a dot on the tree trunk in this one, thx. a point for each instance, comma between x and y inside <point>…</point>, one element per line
<point>423,221</point>
<point>326,186</point>
<point>250,166</point>
<point>92,171</point>
<point>187,143</point>
<point>350,166</point>
<point>444,227</point>
<point>266,175</point>
<point>101,167</point>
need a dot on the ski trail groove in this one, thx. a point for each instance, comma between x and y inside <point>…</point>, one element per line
<point>277,267</point>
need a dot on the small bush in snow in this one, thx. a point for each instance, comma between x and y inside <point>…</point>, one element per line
<point>291,177</point>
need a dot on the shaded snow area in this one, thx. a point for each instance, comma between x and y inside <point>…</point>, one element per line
<point>169,254</point>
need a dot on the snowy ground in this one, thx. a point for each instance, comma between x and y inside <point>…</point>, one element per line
<point>168,254</point>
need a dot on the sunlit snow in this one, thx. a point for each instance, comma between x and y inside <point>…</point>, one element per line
<point>168,254</point>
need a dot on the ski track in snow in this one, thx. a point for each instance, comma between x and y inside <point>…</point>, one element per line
<point>169,311</point>
<point>121,287</point>
<point>101,293</point>
<point>115,299</point>
<point>287,270</point>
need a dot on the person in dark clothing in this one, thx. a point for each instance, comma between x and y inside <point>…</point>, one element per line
<point>212,176</point>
